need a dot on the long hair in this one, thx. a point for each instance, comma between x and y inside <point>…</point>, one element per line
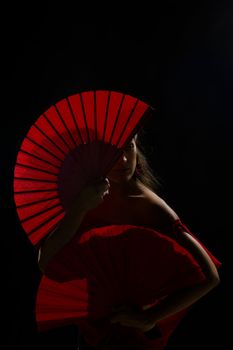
<point>144,172</point>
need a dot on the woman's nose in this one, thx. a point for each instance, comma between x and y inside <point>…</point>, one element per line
<point>124,158</point>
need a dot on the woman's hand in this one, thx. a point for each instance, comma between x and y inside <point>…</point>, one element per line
<point>92,195</point>
<point>131,317</point>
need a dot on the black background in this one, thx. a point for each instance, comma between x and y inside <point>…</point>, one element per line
<point>175,56</point>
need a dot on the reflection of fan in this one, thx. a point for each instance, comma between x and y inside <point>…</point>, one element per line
<point>112,265</point>
<point>74,142</point>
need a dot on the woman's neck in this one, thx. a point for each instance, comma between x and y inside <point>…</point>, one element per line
<point>119,191</point>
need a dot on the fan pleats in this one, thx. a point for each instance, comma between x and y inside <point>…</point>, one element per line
<point>112,265</point>
<point>34,197</point>
<point>43,227</point>
<point>71,144</point>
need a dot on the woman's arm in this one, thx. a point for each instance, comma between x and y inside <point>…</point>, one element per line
<point>61,236</point>
<point>177,301</point>
<point>186,297</point>
<point>89,198</point>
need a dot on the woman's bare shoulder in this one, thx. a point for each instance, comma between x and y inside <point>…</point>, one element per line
<point>159,208</point>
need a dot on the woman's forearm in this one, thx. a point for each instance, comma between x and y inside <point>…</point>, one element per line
<point>88,198</point>
<point>184,298</point>
<point>179,300</point>
<point>61,236</point>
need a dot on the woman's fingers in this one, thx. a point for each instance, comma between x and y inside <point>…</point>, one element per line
<point>102,187</point>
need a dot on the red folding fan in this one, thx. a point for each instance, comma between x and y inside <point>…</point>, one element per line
<point>107,266</point>
<point>114,265</point>
<point>74,142</point>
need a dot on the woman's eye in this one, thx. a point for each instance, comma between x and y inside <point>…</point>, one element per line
<point>130,146</point>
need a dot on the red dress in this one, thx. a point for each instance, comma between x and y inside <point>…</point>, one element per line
<point>114,265</point>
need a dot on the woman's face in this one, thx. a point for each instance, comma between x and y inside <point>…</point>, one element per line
<point>125,167</point>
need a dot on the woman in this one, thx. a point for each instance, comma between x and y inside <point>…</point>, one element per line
<point>128,196</point>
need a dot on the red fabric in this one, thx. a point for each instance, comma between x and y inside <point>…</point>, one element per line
<point>112,265</point>
<point>179,226</point>
<point>71,144</point>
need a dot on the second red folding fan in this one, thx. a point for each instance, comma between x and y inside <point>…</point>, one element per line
<point>71,144</point>
<point>109,266</point>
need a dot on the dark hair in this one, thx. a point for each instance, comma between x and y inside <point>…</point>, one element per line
<point>144,173</point>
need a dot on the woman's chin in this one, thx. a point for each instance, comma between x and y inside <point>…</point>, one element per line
<point>120,178</point>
